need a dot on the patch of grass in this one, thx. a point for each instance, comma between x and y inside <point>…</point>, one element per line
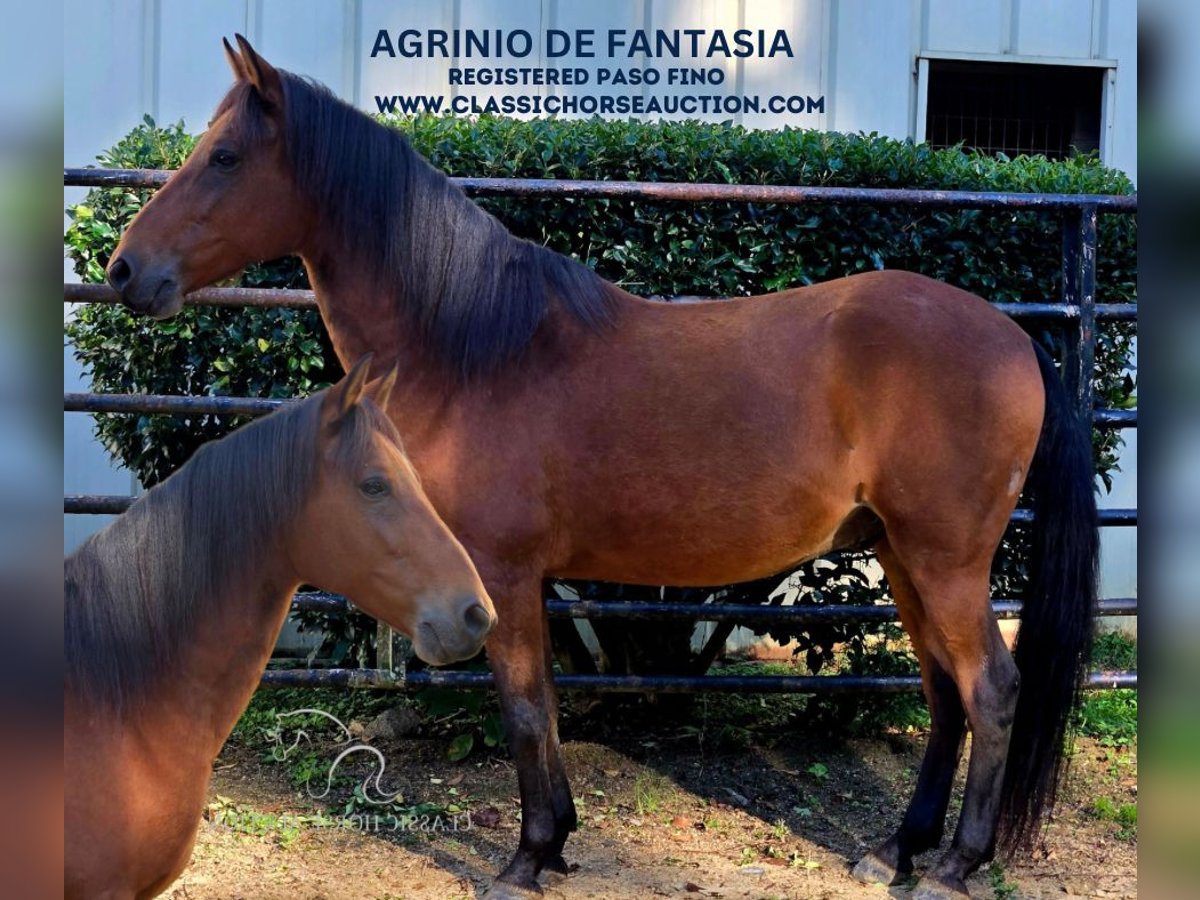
<point>260,716</point>
<point>1114,650</point>
<point>765,711</point>
<point>1110,717</point>
<point>1123,815</point>
<point>283,828</point>
<point>649,794</point>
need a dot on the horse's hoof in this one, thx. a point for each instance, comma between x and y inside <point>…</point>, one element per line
<point>931,888</point>
<point>873,870</point>
<point>507,890</point>
<point>557,869</point>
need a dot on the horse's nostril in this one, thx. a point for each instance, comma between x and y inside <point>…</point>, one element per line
<point>119,274</point>
<point>478,619</point>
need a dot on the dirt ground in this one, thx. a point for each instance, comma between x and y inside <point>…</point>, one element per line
<point>661,815</point>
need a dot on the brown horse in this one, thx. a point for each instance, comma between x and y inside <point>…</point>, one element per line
<point>683,444</point>
<point>172,611</point>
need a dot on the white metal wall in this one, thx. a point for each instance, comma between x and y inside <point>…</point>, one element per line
<point>124,58</point>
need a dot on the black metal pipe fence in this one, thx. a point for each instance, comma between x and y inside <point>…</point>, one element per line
<point>1077,310</point>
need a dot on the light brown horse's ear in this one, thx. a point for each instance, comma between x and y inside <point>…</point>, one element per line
<point>235,61</point>
<point>346,394</point>
<point>261,74</point>
<point>381,389</point>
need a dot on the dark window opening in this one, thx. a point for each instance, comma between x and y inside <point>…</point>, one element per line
<point>1014,107</point>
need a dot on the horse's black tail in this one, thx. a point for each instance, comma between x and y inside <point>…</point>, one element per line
<point>1054,642</point>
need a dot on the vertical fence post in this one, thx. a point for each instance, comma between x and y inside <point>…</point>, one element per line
<point>392,651</point>
<point>384,646</point>
<point>1079,290</point>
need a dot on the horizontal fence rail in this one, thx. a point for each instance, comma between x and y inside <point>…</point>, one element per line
<point>1078,310</point>
<point>399,680</point>
<point>692,193</point>
<point>320,601</point>
<point>298,298</point>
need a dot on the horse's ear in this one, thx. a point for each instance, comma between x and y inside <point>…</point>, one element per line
<point>346,394</point>
<point>381,389</point>
<point>261,75</point>
<point>235,61</point>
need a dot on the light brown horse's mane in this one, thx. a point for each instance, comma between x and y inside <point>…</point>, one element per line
<point>475,292</point>
<point>134,591</point>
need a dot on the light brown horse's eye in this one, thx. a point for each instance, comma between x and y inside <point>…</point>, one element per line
<point>224,159</point>
<point>375,487</point>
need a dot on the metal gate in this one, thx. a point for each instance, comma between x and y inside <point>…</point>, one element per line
<point>1077,310</point>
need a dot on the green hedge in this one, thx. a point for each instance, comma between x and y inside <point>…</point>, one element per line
<point>653,249</point>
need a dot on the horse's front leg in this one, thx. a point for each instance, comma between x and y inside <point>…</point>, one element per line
<point>565,819</point>
<point>518,660</point>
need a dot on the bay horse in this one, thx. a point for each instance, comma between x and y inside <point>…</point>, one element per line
<point>172,611</point>
<point>684,444</point>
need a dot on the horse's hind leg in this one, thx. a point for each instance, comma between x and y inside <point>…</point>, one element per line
<point>964,639</point>
<point>923,823</point>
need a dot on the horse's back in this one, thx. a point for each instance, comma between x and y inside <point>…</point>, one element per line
<point>724,440</point>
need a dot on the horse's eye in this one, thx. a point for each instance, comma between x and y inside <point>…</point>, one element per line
<point>374,487</point>
<point>224,159</point>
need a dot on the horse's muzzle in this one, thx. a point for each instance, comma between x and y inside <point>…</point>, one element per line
<point>147,290</point>
<point>443,638</point>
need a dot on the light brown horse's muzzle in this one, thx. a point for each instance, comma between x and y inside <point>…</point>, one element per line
<point>147,290</point>
<point>442,637</point>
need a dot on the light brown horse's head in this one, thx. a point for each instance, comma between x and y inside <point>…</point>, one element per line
<point>232,203</point>
<point>369,532</point>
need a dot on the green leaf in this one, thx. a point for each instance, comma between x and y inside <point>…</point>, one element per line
<point>460,748</point>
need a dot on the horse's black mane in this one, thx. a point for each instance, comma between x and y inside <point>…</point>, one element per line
<point>475,292</point>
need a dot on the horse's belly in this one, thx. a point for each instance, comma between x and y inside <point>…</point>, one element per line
<point>691,539</point>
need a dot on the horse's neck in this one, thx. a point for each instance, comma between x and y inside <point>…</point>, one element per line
<point>360,318</point>
<point>222,664</point>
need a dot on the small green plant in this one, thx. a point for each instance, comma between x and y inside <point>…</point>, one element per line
<point>283,828</point>
<point>800,862</point>
<point>1110,717</point>
<point>819,771</point>
<point>471,718</point>
<point>1113,650</point>
<point>1002,889</point>
<point>648,794</point>
<point>1124,815</point>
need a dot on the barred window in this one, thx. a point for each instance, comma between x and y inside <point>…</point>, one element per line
<point>1014,107</point>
